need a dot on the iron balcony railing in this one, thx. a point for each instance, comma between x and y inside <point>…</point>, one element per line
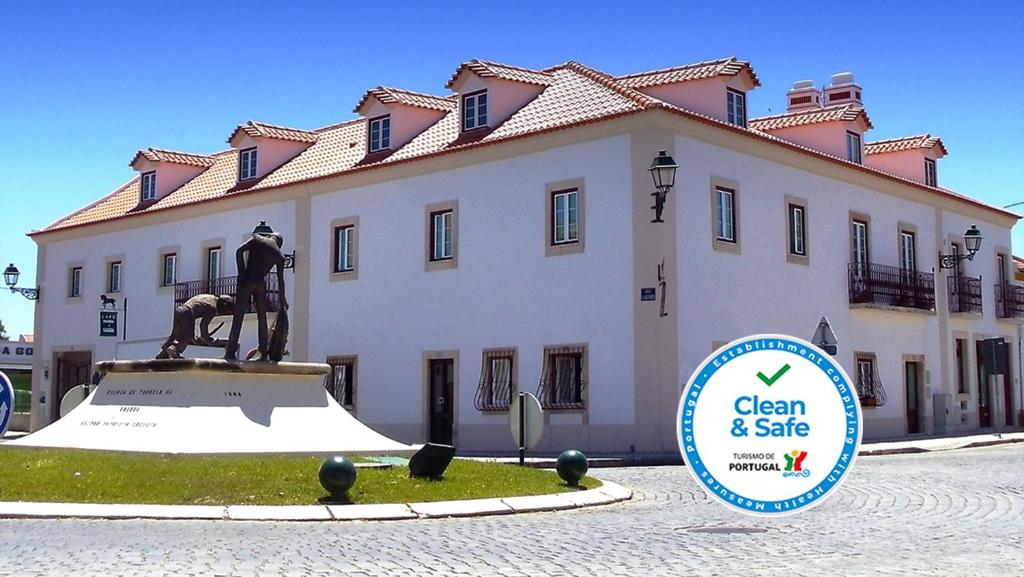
<point>224,286</point>
<point>964,294</point>
<point>890,285</point>
<point>1009,301</point>
<point>871,391</point>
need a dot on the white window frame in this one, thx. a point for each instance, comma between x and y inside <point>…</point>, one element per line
<point>798,230</point>
<point>854,147</point>
<point>214,263</point>
<point>736,107</point>
<point>344,243</point>
<point>476,101</point>
<point>75,290</point>
<point>565,216</point>
<point>931,176</point>
<point>861,254</point>
<point>442,235</point>
<point>908,252</point>
<point>172,258</point>
<point>248,166</point>
<point>114,270</point>
<point>379,133</point>
<point>725,206</point>
<point>148,185</point>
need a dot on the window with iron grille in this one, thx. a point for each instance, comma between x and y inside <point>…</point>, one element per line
<point>497,384</point>
<point>341,381</point>
<point>869,385</point>
<point>737,104</point>
<point>563,384</point>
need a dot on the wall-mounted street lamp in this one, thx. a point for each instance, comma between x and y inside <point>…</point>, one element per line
<point>11,274</point>
<point>972,242</point>
<point>663,171</point>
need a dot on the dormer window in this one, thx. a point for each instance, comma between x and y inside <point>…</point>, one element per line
<point>247,164</point>
<point>853,147</point>
<point>474,110</point>
<point>149,186</point>
<point>380,133</point>
<point>931,178</point>
<point>736,103</point>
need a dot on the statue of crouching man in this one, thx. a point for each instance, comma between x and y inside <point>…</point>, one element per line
<point>183,332</point>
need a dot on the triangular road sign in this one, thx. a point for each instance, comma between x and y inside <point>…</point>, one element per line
<point>824,338</point>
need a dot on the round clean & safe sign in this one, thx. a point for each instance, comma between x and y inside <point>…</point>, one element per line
<point>769,425</point>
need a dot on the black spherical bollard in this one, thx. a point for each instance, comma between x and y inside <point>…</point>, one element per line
<point>337,475</point>
<point>572,466</point>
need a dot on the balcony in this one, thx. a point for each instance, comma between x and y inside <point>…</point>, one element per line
<point>891,286</point>
<point>1009,301</point>
<point>870,391</point>
<point>224,286</point>
<point>964,294</point>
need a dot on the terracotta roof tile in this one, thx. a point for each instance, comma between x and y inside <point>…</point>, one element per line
<point>162,155</point>
<point>262,129</point>
<point>839,112</point>
<point>575,95</point>
<point>485,69</point>
<point>389,95</point>
<point>905,143</point>
<point>722,67</point>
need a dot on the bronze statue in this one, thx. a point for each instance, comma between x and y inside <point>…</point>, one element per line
<point>255,259</point>
<point>183,331</point>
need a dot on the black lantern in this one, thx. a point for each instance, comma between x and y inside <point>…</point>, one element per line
<point>972,242</point>
<point>11,275</point>
<point>663,171</point>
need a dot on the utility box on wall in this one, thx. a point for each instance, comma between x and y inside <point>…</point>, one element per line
<point>945,413</point>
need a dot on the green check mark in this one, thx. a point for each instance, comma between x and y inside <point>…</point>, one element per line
<point>775,377</point>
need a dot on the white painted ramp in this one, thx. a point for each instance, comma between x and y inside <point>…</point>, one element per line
<point>210,406</point>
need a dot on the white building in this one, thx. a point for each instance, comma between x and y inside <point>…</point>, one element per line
<point>449,249</point>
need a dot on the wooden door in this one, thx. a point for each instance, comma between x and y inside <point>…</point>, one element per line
<point>984,408</point>
<point>441,388</point>
<point>910,380</point>
<point>73,369</point>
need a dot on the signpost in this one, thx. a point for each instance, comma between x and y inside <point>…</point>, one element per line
<point>824,338</point>
<point>526,420</point>
<point>6,402</point>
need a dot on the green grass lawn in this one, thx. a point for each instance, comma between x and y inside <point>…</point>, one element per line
<point>97,477</point>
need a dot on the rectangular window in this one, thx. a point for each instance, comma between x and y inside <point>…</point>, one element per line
<point>931,178</point>
<point>441,235</point>
<point>247,164</point>
<point>564,380</point>
<point>1001,270</point>
<point>866,377</point>
<point>114,277</point>
<point>149,186</point>
<point>853,147</point>
<point>213,256</point>
<point>496,380</point>
<point>380,133</point>
<point>797,236</point>
<point>725,214</point>
<point>565,216</point>
<point>474,110</point>
<point>961,366</point>
<point>908,251</point>
<point>344,248</point>
<point>341,382</point>
<point>737,107</point>
<point>859,231</point>
<point>75,282</point>
<point>170,269</point>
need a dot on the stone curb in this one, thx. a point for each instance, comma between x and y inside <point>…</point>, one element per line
<point>606,494</point>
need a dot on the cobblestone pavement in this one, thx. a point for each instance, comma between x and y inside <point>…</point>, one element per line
<point>949,513</point>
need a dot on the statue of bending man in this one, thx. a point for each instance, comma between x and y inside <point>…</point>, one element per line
<point>255,259</point>
<point>183,331</point>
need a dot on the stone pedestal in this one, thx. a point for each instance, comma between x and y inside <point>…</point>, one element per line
<point>211,406</point>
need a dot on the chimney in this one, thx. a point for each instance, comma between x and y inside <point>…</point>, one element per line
<point>843,90</point>
<point>803,96</point>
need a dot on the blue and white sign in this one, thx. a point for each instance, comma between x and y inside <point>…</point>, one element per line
<point>6,402</point>
<point>769,425</point>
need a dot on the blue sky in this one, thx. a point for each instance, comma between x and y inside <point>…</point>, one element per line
<point>84,85</point>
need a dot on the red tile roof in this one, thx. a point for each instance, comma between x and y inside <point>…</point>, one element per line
<point>905,143</point>
<point>162,155</point>
<point>576,95</point>
<point>838,112</point>
<point>722,67</point>
<point>389,95</point>
<point>485,69</point>
<point>262,129</point>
